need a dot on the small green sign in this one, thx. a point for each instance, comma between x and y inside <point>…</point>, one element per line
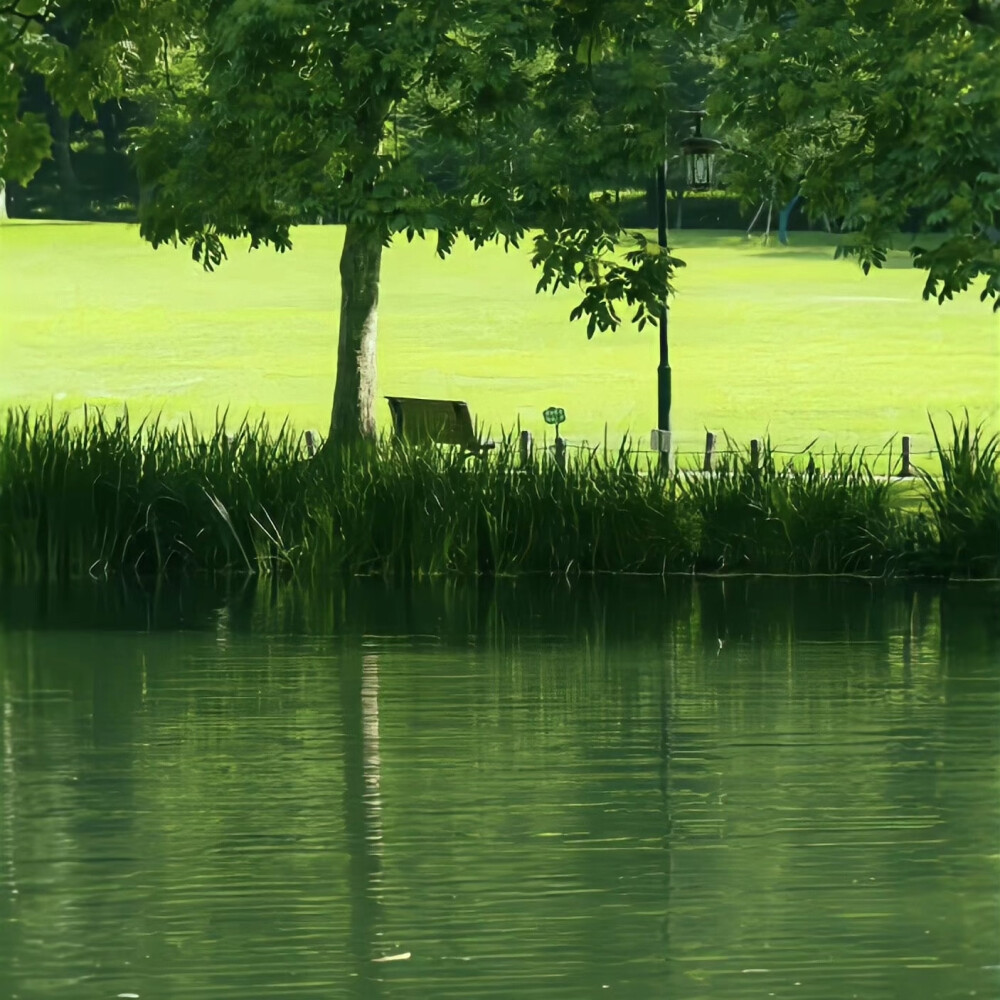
<point>554,415</point>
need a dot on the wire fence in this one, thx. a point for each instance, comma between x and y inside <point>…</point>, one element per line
<point>602,448</point>
<point>896,459</point>
<point>560,448</point>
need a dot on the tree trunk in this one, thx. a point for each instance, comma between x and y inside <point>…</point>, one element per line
<point>69,185</point>
<point>353,416</point>
<point>3,200</point>
<point>13,195</point>
<point>108,121</point>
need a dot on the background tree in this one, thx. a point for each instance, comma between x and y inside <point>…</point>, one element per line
<point>60,58</point>
<point>320,109</point>
<point>881,111</point>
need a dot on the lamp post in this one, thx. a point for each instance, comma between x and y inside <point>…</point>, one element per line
<point>663,387</point>
<point>699,158</point>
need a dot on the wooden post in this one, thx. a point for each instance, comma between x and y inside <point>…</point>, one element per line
<point>905,469</point>
<point>527,449</point>
<point>561,453</point>
<point>310,444</point>
<point>709,462</point>
<point>755,453</point>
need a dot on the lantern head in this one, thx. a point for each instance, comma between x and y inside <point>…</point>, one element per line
<point>699,157</point>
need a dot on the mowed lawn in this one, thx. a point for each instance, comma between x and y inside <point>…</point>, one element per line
<point>772,340</point>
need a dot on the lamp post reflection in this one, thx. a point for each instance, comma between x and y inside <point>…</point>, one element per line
<point>8,781</point>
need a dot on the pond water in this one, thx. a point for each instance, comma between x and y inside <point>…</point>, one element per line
<point>712,789</point>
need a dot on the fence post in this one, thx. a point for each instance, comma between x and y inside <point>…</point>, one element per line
<point>527,448</point>
<point>905,469</point>
<point>755,454</point>
<point>709,463</point>
<point>561,453</point>
<point>310,444</point>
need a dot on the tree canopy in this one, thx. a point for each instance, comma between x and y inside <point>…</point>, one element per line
<point>884,114</point>
<point>82,52</point>
<point>317,109</point>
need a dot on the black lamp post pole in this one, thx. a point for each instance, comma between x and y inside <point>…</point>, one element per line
<point>663,371</point>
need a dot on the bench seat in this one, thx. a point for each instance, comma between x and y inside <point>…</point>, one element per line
<point>438,421</point>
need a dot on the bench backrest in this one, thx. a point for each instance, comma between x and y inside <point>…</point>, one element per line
<point>443,421</point>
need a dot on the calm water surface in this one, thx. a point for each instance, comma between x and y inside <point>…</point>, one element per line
<point>714,790</point>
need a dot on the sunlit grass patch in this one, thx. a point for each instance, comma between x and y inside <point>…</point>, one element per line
<point>775,341</point>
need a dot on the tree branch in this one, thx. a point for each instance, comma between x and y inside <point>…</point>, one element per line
<point>42,18</point>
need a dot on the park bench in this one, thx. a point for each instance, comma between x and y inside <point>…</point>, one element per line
<point>441,421</point>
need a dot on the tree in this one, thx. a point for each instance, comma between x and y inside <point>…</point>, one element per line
<point>876,111</point>
<point>306,109</point>
<point>80,52</point>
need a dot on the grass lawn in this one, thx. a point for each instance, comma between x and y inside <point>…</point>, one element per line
<point>779,340</point>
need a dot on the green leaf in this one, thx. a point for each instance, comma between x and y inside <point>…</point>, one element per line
<point>26,144</point>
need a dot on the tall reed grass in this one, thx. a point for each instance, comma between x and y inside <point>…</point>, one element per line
<point>964,503</point>
<point>766,517</point>
<point>107,497</point>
